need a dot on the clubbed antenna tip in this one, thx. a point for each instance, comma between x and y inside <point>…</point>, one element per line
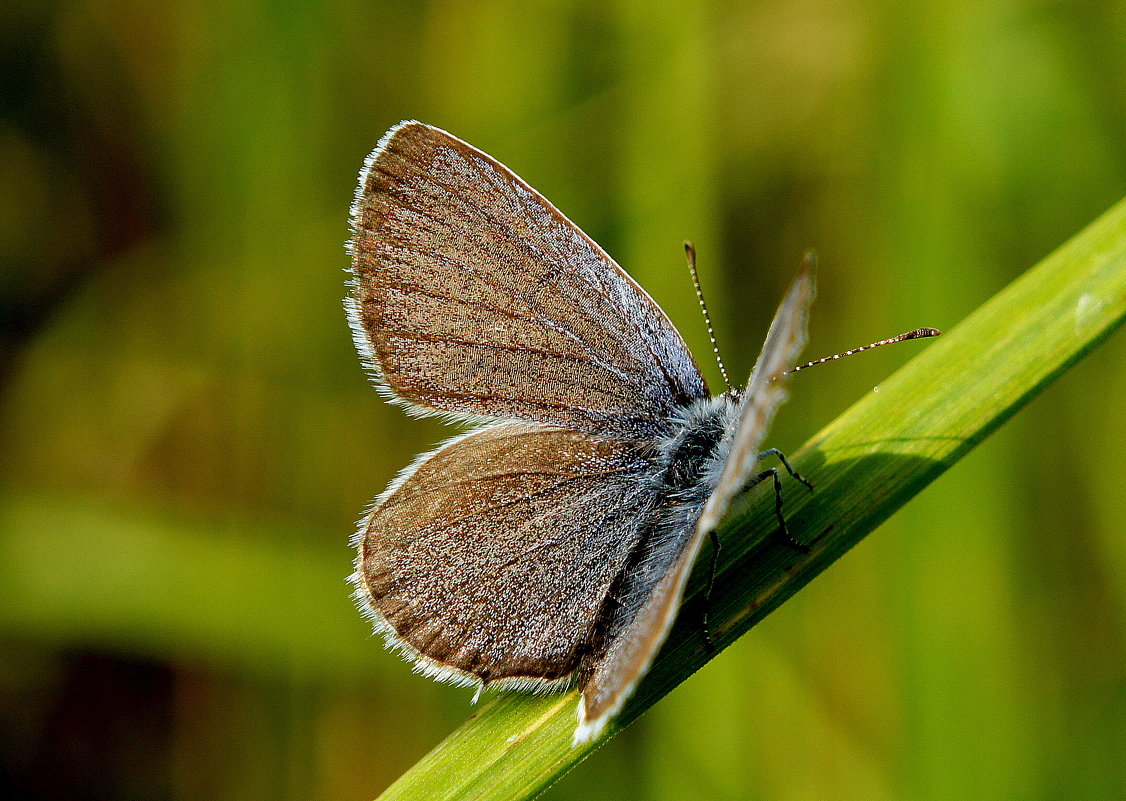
<point>918,333</point>
<point>690,252</point>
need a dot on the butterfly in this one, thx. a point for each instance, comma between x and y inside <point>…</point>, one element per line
<point>549,545</point>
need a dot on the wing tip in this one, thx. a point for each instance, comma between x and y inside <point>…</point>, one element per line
<point>381,147</point>
<point>591,729</point>
<point>806,279</point>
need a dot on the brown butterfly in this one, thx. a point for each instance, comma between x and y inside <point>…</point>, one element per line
<point>550,545</point>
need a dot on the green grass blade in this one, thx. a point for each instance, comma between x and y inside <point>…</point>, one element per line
<point>864,465</point>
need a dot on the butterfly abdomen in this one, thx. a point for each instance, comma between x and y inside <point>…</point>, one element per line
<point>688,464</point>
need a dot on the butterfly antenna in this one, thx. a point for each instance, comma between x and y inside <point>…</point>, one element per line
<point>690,252</point>
<point>918,333</point>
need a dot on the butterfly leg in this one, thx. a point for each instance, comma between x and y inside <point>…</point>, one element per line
<point>783,529</point>
<point>793,473</point>
<point>713,566</point>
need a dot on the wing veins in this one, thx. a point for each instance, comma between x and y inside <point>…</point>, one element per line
<point>468,518</point>
<point>565,224</point>
<point>674,390</point>
<point>541,403</point>
<point>414,337</point>
<point>594,358</point>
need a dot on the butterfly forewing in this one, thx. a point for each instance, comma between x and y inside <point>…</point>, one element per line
<point>475,296</point>
<point>765,392</point>
<point>638,636</point>
<point>492,559</point>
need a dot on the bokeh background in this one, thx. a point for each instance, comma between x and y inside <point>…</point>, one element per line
<point>187,438</point>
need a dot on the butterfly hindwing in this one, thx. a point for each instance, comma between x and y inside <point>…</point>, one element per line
<point>493,558</point>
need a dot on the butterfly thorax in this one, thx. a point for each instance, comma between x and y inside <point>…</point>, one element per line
<point>694,454</point>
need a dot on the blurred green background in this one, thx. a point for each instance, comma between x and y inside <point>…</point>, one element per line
<point>187,437</point>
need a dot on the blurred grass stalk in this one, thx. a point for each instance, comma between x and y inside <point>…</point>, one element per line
<point>865,465</point>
